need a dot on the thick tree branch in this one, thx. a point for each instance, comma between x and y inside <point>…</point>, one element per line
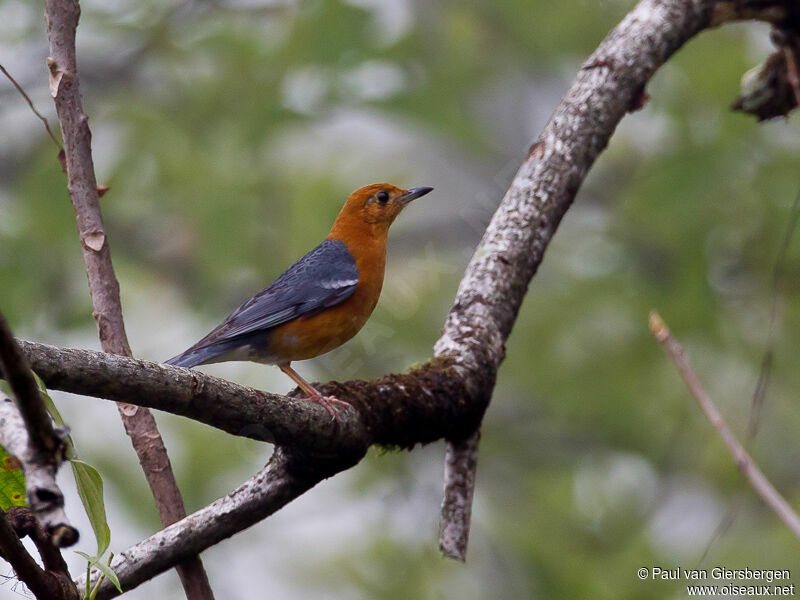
<point>286,476</point>
<point>743,460</point>
<point>610,84</point>
<point>423,405</point>
<point>62,21</point>
<point>459,380</point>
<point>26,431</point>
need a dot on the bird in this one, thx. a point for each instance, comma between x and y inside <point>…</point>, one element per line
<point>318,303</point>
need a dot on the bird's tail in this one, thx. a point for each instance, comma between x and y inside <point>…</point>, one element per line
<point>197,356</point>
<point>187,359</point>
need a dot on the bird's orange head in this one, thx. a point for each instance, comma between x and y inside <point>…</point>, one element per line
<point>374,207</point>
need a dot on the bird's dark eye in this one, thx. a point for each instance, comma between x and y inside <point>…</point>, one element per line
<point>383,196</point>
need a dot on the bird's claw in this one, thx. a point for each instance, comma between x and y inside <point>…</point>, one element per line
<point>329,402</point>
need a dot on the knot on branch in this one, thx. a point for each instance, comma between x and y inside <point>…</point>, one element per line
<point>772,89</point>
<point>21,520</point>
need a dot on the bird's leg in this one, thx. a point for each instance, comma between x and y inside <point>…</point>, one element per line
<point>329,402</point>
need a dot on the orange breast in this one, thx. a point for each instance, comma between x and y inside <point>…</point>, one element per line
<point>307,337</point>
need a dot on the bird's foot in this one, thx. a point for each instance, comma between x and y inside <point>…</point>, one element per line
<point>330,403</point>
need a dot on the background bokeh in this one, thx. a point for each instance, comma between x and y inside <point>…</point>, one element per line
<point>230,133</point>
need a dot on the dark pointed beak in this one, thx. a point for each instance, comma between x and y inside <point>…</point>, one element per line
<point>414,193</point>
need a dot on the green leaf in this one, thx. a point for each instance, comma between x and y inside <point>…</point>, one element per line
<point>88,481</point>
<point>51,407</point>
<point>105,570</point>
<point>109,573</point>
<point>90,489</point>
<point>91,559</point>
<point>12,481</point>
<point>48,401</point>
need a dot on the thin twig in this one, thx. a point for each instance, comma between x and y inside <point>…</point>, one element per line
<point>21,90</point>
<point>62,21</point>
<point>722,528</point>
<point>743,460</point>
<point>776,309</point>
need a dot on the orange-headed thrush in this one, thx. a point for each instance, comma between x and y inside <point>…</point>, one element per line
<point>321,301</point>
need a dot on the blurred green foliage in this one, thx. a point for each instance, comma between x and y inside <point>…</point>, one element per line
<point>230,133</point>
<point>12,482</point>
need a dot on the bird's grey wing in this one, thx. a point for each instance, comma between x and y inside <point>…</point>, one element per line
<point>322,278</point>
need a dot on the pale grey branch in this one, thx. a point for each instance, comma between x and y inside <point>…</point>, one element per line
<point>461,460</point>
<point>27,432</point>
<point>445,398</point>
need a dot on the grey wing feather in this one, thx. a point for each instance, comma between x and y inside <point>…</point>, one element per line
<point>322,278</point>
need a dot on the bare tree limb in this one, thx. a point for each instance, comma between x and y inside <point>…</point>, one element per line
<point>426,404</point>
<point>26,431</point>
<point>286,476</point>
<point>743,460</point>
<point>62,21</point>
<point>772,89</point>
<point>54,581</point>
<point>24,523</point>
<point>45,585</point>
<point>460,466</point>
<point>453,389</point>
<point>18,375</point>
<point>610,84</point>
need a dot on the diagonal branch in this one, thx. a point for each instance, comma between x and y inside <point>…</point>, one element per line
<point>53,582</point>
<point>26,431</point>
<point>610,84</point>
<point>454,388</point>
<point>743,460</point>
<point>43,584</point>
<point>31,406</point>
<point>62,21</point>
<point>286,476</point>
<point>24,523</point>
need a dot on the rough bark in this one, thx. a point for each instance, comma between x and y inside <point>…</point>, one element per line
<point>287,475</point>
<point>62,21</point>
<point>610,83</point>
<point>426,404</point>
<point>27,432</point>
<point>460,465</point>
<point>51,584</point>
